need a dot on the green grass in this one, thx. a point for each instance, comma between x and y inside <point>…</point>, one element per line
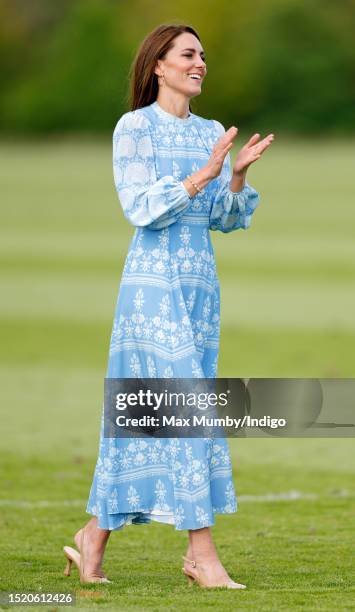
<point>291,554</point>
<point>287,299</point>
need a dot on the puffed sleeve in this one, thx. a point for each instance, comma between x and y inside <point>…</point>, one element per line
<point>145,200</point>
<point>231,210</point>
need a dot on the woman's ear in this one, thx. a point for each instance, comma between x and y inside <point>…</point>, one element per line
<point>157,70</point>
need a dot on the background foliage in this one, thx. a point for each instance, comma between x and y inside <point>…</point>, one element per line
<point>282,64</point>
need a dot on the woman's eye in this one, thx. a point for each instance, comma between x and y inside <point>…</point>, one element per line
<point>190,55</point>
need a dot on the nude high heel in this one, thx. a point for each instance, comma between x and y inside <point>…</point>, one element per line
<point>73,555</point>
<point>195,577</point>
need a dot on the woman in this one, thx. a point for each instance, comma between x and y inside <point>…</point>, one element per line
<point>172,174</point>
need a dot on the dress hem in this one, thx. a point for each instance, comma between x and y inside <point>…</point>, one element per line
<point>144,518</point>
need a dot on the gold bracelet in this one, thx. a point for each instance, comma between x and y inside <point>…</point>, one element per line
<point>194,184</point>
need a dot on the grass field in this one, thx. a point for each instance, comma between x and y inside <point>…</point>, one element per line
<point>288,303</point>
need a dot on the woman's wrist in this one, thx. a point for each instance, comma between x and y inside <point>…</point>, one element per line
<point>237,181</point>
<point>201,178</point>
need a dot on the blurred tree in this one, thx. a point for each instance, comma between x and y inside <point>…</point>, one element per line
<point>305,69</point>
<point>25,29</point>
<point>283,64</point>
<point>80,78</point>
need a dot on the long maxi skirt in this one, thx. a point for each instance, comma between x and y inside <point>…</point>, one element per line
<point>166,331</point>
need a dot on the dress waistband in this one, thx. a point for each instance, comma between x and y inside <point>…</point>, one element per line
<point>196,220</point>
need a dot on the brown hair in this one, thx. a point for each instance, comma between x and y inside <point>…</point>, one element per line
<point>143,80</point>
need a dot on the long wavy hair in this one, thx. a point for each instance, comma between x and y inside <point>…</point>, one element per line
<point>144,85</point>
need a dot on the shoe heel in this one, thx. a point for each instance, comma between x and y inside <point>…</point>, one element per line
<point>67,570</point>
<point>190,581</point>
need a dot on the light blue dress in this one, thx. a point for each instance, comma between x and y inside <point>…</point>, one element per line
<point>167,317</point>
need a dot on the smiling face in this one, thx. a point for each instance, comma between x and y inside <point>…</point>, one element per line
<point>185,59</point>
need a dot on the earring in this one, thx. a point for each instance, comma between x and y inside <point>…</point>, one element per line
<point>163,78</point>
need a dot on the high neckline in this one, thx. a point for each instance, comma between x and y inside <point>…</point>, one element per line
<point>165,115</point>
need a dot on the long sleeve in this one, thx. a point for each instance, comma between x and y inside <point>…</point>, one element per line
<point>231,210</point>
<point>145,200</point>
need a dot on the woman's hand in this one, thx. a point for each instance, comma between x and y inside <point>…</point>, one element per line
<point>214,165</point>
<point>251,152</point>
<point>248,154</point>
<point>219,152</point>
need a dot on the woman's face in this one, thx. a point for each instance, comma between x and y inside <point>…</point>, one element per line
<point>186,58</point>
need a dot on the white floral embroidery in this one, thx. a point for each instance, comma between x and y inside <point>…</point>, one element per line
<point>176,170</point>
<point>160,328</point>
<point>220,455</point>
<point>168,372</point>
<point>139,299</point>
<point>113,501</point>
<point>189,473</point>
<point>214,367</point>
<point>152,371</point>
<point>201,516</point>
<point>126,146</point>
<point>137,173</point>
<point>107,463</point>
<point>133,498</point>
<point>136,366</point>
<point>140,458</point>
<point>191,301</point>
<point>161,503</point>
<point>164,261</point>
<point>230,497</point>
<point>197,371</point>
<point>144,147</point>
<point>179,515</point>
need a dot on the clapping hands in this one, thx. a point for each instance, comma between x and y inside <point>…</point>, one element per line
<point>251,152</point>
